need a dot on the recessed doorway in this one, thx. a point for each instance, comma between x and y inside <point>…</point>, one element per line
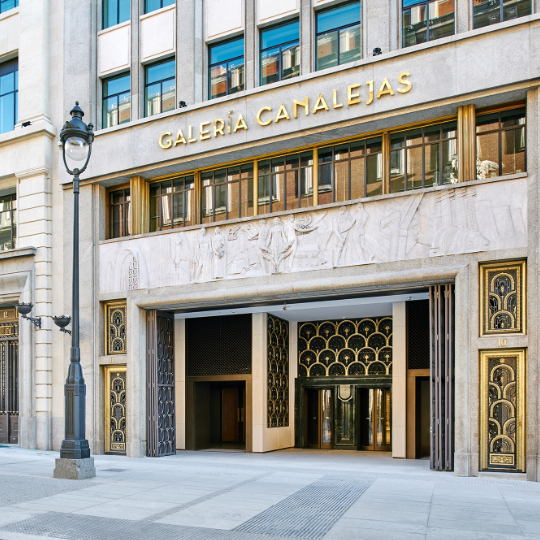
<point>320,418</point>
<point>374,419</point>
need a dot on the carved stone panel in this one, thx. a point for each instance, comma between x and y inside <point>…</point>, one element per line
<point>502,406</point>
<point>502,298</point>
<point>278,371</point>
<point>115,410</point>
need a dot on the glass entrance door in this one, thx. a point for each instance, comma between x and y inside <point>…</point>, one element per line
<point>320,418</point>
<point>374,414</point>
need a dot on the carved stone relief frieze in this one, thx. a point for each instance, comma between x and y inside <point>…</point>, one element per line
<point>447,222</point>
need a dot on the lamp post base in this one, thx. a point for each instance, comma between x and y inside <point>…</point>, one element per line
<point>75,469</point>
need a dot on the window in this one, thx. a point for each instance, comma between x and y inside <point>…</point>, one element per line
<point>350,171</point>
<point>8,222</point>
<point>160,88</point>
<point>338,36</point>
<point>172,203</point>
<point>116,12</point>
<point>226,68</point>
<point>280,52</point>
<point>500,143</point>
<point>486,12</point>
<point>116,101</point>
<point>119,213</point>
<point>6,5</point>
<point>285,183</point>
<point>425,21</point>
<point>227,193</point>
<point>423,157</point>
<point>152,5</point>
<point>9,90</point>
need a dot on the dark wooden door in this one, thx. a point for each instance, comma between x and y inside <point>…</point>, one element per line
<point>320,418</point>
<point>229,415</point>
<point>374,419</point>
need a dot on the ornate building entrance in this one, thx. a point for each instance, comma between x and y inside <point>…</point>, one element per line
<point>9,377</point>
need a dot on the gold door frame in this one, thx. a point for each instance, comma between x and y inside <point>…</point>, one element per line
<point>109,370</point>
<point>521,432</point>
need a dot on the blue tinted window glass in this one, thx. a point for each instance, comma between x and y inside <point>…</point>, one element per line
<point>7,113</point>
<point>279,35</point>
<point>152,5</point>
<point>227,51</point>
<point>160,72</point>
<point>116,86</point>
<point>124,11</point>
<point>407,3</point>
<point>167,3</point>
<point>5,5</point>
<point>341,16</point>
<point>7,83</point>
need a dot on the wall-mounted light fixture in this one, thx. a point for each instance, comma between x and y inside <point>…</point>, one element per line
<point>23,309</point>
<point>62,321</point>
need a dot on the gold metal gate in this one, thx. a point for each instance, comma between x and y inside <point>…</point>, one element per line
<point>502,410</point>
<point>115,409</point>
<point>9,377</point>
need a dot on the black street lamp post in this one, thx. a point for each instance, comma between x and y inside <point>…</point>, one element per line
<point>75,461</point>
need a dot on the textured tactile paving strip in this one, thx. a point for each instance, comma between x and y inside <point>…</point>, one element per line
<point>15,489</point>
<point>312,511</point>
<point>80,527</point>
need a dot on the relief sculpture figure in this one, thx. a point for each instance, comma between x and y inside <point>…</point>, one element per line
<point>341,225</point>
<point>290,233</point>
<point>202,262</point>
<point>278,246</point>
<point>360,220</point>
<point>220,259</point>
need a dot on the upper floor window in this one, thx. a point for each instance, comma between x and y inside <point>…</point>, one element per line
<point>6,5</point>
<point>8,222</point>
<point>500,143</point>
<point>9,90</point>
<point>115,12</point>
<point>160,89</point>
<point>486,12</point>
<point>226,71</point>
<point>172,203</point>
<point>350,171</point>
<point>423,157</point>
<point>425,21</point>
<point>280,52</point>
<point>338,35</point>
<point>285,183</point>
<point>119,213</point>
<point>152,5</point>
<point>116,101</point>
<point>227,193</point>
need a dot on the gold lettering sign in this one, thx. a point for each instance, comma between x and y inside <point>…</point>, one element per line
<point>265,116</point>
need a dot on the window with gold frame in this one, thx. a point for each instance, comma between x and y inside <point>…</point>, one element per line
<point>115,328</point>
<point>503,298</point>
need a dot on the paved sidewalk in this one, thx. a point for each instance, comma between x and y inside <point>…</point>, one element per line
<point>305,494</point>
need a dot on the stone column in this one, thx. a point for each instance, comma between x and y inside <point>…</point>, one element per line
<point>376,27</point>
<point>307,37</point>
<point>464,21</point>
<point>399,381</point>
<point>180,381</point>
<point>136,70</point>
<point>35,230</point>
<point>250,40</point>
<point>258,377</point>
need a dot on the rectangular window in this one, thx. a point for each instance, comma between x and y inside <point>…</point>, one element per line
<point>285,183</point>
<point>500,143</point>
<point>280,52</point>
<point>350,171</point>
<point>9,95</point>
<point>115,12</point>
<point>486,12</point>
<point>338,36</point>
<point>119,213</point>
<point>8,222</point>
<point>226,71</point>
<point>116,101</point>
<point>6,5</point>
<point>425,21</point>
<point>160,89</point>
<point>423,157</point>
<point>227,193</point>
<point>152,5</point>
<point>172,203</point>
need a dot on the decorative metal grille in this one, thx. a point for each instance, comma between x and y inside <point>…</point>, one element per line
<point>117,410</point>
<point>502,298</point>
<point>278,371</point>
<point>9,382</point>
<point>502,410</point>
<point>161,427</point>
<point>418,334</point>
<point>116,337</point>
<point>345,348</point>
<point>218,346</point>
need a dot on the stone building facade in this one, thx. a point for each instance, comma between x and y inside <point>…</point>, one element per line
<point>306,223</point>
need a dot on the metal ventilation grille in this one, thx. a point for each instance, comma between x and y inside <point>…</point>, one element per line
<point>218,346</point>
<point>418,334</point>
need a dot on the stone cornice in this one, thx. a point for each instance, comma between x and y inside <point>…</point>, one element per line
<point>17,252</point>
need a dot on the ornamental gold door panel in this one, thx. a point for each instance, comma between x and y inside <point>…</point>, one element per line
<point>502,410</point>
<point>115,410</point>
